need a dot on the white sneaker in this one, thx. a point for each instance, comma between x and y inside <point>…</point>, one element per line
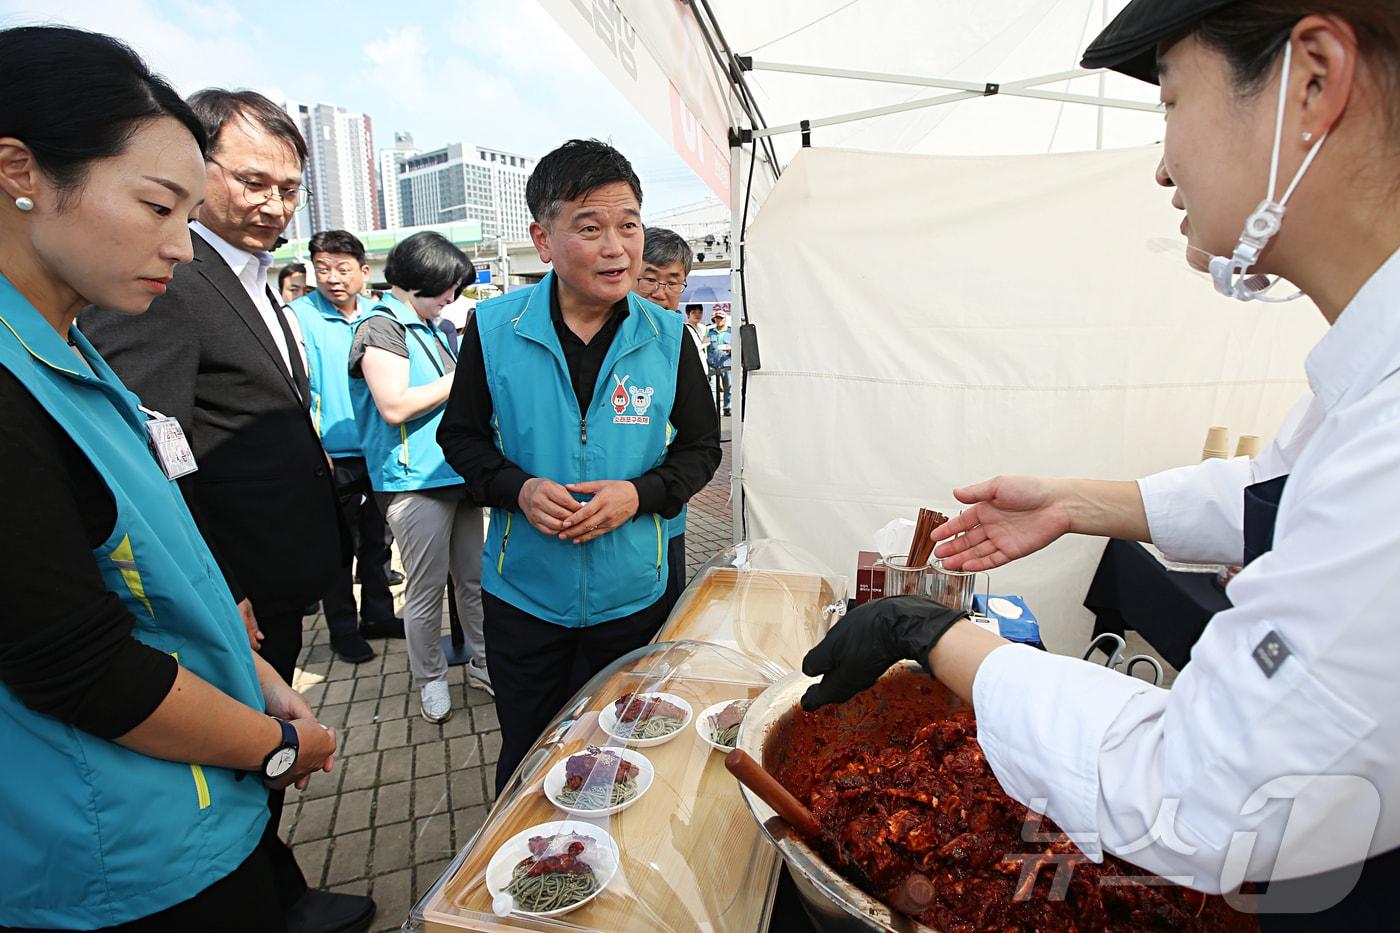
<point>435,701</point>
<point>479,677</point>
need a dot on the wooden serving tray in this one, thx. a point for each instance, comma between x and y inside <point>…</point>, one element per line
<point>692,854</point>
<point>691,851</point>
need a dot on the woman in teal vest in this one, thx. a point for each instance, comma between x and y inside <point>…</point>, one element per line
<point>136,723</point>
<point>402,368</point>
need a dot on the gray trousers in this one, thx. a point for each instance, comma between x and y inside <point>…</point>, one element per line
<point>437,536</point>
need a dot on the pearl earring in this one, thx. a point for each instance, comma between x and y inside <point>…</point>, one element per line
<point>1307,137</point>
<point>24,204</point>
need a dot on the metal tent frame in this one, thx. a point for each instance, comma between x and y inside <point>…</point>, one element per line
<point>759,135</point>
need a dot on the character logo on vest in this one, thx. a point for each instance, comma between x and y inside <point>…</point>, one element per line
<point>619,396</point>
<point>639,398</point>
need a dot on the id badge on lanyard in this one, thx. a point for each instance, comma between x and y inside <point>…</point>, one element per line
<point>169,445</point>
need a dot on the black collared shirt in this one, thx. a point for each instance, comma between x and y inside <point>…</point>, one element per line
<point>467,437</point>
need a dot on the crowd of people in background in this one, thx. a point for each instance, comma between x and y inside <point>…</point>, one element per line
<point>209,449</point>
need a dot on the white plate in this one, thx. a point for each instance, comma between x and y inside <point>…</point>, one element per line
<point>554,782</point>
<point>608,720</point>
<point>704,727</point>
<point>517,848</point>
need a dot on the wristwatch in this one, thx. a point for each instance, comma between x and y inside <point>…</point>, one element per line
<point>280,760</point>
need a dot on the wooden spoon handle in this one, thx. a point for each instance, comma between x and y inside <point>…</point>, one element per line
<point>751,774</point>
<point>912,896</point>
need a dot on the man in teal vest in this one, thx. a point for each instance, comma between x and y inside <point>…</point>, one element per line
<point>567,395</point>
<point>327,315</point>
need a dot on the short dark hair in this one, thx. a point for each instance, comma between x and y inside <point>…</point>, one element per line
<point>571,171</point>
<point>74,97</point>
<point>216,106</point>
<point>428,263</point>
<point>694,307</point>
<point>1251,35</point>
<point>341,242</point>
<point>289,270</point>
<point>663,247</point>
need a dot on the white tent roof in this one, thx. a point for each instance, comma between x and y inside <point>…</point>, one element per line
<point>999,41</point>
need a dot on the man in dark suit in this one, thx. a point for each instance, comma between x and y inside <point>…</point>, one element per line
<point>220,353</point>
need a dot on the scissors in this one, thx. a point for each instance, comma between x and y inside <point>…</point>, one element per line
<point>1113,645</point>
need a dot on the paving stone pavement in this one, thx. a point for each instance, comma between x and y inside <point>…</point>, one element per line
<point>405,795</point>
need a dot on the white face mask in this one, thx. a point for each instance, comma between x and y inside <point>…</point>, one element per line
<point>1231,275</point>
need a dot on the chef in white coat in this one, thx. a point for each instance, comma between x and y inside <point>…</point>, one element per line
<point>1276,753</point>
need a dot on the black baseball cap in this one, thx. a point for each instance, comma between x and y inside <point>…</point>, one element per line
<point>1128,45</point>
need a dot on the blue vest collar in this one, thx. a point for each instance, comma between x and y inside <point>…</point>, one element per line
<point>43,343</point>
<point>536,322</point>
<point>330,312</point>
<point>399,311</point>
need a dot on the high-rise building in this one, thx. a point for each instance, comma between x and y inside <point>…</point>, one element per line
<point>462,182</point>
<point>340,170</point>
<point>391,162</point>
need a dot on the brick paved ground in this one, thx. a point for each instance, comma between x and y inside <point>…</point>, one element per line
<point>406,795</point>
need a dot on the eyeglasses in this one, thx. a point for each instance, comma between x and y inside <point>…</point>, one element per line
<point>649,284</point>
<point>295,197</point>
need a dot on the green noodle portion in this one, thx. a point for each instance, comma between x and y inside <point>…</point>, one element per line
<point>726,737</point>
<point>550,891</point>
<point>599,796</point>
<point>653,727</point>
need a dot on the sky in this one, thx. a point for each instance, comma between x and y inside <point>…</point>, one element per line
<point>498,73</point>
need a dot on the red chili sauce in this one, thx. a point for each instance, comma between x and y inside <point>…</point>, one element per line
<point>899,785</point>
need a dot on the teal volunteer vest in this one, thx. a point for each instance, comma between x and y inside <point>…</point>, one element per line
<point>405,457</point>
<point>326,334</point>
<point>622,434</point>
<point>93,834</point>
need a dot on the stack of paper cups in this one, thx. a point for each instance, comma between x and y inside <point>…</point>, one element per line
<point>1247,446</point>
<point>1217,444</point>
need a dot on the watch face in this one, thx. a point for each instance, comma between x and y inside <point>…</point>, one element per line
<point>280,763</point>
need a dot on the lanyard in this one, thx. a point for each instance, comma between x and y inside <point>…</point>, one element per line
<point>432,357</point>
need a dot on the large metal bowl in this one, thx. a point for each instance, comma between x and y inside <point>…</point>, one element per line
<point>834,903</point>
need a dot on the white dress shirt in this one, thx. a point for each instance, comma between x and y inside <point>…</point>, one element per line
<point>251,270</point>
<point>1111,757</point>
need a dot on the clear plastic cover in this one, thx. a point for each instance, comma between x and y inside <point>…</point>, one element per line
<point>767,599</point>
<point>627,793</point>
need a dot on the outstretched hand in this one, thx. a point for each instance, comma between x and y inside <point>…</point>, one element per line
<point>1010,517</point>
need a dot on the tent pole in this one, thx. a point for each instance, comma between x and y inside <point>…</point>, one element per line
<point>736,315</point>
<point>982,91</point>
<point>866,114</point>
<point>1024,87</point>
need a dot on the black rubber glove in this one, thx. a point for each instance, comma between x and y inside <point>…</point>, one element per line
<point>863,645</point>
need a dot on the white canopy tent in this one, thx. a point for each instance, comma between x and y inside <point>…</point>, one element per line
<point>953,281</point>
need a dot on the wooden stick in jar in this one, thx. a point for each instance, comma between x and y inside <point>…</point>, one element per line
<point>921,548</point>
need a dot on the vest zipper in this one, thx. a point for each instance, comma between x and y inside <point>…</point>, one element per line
<point>583,557</point>
<point>505,541</point>
<point>660,544</point>
<point>201,783</point>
